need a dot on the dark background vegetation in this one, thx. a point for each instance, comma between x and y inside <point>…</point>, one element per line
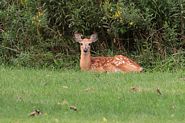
<point>40,33</point>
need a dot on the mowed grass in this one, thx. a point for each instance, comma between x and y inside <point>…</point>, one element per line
<point>99,98</point>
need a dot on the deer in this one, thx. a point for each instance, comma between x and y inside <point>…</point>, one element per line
<point>117,63</point>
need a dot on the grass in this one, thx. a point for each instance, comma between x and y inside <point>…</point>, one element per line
<point>99,98</point>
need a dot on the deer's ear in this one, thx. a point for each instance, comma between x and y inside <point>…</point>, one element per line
<point>78,37</point>
<point>94,37</point>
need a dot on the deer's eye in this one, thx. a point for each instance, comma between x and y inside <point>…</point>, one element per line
<point>81,44</point>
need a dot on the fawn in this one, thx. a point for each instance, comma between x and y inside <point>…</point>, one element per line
<point>118,63</point>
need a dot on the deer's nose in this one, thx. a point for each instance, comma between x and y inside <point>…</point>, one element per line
<point>85,50</point>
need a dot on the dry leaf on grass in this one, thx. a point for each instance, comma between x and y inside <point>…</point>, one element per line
<point>36,112</point>
<point>74,108</point>
<point>135,89</point>
<point>158,91</point>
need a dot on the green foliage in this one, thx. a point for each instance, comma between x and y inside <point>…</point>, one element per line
<point>40,33</point>
<point>172,63</point>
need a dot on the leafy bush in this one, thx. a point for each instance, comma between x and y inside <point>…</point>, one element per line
<point>40,33</point>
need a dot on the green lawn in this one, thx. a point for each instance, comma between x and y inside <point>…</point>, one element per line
<point>99,98</point>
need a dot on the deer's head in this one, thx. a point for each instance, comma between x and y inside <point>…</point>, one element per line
<point>85,43</point>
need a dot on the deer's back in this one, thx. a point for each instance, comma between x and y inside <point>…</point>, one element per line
<point>117,63</point>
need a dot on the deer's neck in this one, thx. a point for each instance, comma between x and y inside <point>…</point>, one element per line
<point>85,61</point>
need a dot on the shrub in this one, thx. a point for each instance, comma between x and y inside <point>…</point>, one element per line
<point>40,33</point>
